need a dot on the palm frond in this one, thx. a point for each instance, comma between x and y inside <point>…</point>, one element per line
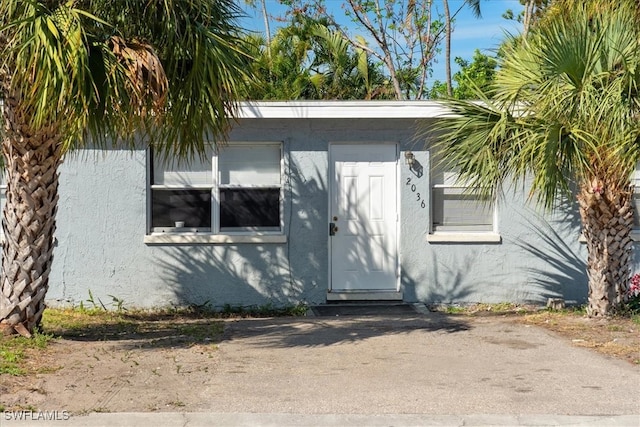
<point>563,108</point>
<point>170,71</point>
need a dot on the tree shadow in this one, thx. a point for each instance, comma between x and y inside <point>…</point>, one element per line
<point>152,331</point>
<point>244,275</point>
<point>445,283</point>
<point>564,274</point>
<point>323,332</point>
<point>141,331</point>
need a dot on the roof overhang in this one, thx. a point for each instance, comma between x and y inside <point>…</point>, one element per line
<point>342,110</point>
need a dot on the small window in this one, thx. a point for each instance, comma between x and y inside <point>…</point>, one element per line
<point>181,196</point>
<point>190,208</point>
<point>3,198</point>
<point>249,188</point>
<point>237,190</point>
<point>636,208</point>
<point>635,201</point>
<point>456,207</point>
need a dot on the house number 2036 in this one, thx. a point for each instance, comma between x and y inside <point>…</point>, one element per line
<point>413,190</point>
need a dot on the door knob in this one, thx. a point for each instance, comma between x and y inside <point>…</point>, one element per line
<point>333,229</point>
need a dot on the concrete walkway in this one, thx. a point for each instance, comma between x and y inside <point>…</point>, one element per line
<point>402,370</point>
<point>204,419</point>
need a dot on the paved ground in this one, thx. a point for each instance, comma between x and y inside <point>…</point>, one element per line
<point>407,369</point>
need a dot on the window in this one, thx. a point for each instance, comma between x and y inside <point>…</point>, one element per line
<point>635,201</point>
<point>455,208</point>
<point>3,199</point>
<point>238,190</point>
<point>249,188</point>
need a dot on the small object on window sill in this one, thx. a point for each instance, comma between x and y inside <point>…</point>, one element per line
<point>179,224</point>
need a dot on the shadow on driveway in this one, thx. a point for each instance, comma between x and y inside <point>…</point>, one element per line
<point>327,331</point>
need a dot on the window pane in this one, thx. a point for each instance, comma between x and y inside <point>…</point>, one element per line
<point>256,207</point>
<point>249,165</point>
<point>456,210</point>
<point>196,172</point>
<point>636,209</point>
<point>193,207</point>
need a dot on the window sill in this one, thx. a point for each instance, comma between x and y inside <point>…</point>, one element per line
<point>463,237</point>
<point>211,239</point>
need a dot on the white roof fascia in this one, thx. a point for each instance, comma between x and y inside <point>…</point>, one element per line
<point>342,110</point>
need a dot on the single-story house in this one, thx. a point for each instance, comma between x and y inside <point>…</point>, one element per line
<point>309,202</point>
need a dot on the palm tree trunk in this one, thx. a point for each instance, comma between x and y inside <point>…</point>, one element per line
<point>447,46</point>
<point>31,160</point>
<point>607,220</point>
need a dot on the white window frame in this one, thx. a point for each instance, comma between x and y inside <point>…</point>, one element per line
<point>450,181</point>
<point>215,209</point>
<point>635,181</point>
<point>214,235</point>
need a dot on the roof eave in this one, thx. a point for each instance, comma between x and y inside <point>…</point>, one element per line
<point>342,110</point>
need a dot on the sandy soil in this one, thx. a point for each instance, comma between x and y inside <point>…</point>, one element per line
<point>165,364</point>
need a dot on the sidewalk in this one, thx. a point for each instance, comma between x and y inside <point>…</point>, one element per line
<point>300,420</point>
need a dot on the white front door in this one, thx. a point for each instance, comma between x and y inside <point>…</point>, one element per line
<point>363,218</point>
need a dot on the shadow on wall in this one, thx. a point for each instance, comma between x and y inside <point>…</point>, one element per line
<point>563,271</point>
<point>447,281</point>
<point>258,274</point>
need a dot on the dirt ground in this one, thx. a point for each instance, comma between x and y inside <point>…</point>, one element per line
<point>161,361</point>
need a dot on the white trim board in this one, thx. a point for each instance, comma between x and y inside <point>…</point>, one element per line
<point>342,110</point>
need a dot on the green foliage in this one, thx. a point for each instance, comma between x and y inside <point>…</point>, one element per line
<point>14,350</point>
<point>398,36</point>
<point>563,107</point>
<point>474,75</point>
<point>267,310</point>
<point>306,60</point>
<point>118,69</point>
<point>562,115</point>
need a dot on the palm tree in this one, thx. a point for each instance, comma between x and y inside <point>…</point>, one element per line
<point>448,21</point>
<point>564,113</point>
<point>281,69</point>
<point>102,72</point>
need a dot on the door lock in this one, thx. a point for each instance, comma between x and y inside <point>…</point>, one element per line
<point>333,229</point>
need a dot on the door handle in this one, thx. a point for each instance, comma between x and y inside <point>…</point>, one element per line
<point>333,229</point>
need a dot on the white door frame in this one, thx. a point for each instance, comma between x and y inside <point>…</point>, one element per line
<point>330,180</point>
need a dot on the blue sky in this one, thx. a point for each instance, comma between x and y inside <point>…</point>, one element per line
<point>485,33</point>
<point>469,33</point>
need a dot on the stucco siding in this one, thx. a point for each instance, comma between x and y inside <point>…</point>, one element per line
<point>102,221</point>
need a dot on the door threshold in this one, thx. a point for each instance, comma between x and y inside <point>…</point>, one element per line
<point>364,296</point>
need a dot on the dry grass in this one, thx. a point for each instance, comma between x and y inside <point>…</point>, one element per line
<point>617,336</point>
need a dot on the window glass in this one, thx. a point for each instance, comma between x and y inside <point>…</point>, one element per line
<point>635,201</point>
<point>455,206</point>
<point>636,208</point>
<point>181,208</point>
<point>455,210</point>
<point>195,172</point>
<point>249,165</point>
<point>3,197</point>
<point>184,197</point>
<point>254,207</point>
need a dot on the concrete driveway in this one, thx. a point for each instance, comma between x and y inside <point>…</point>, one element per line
<point>403,369</point>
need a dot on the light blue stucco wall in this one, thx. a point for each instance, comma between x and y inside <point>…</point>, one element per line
<point>102,222</point>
